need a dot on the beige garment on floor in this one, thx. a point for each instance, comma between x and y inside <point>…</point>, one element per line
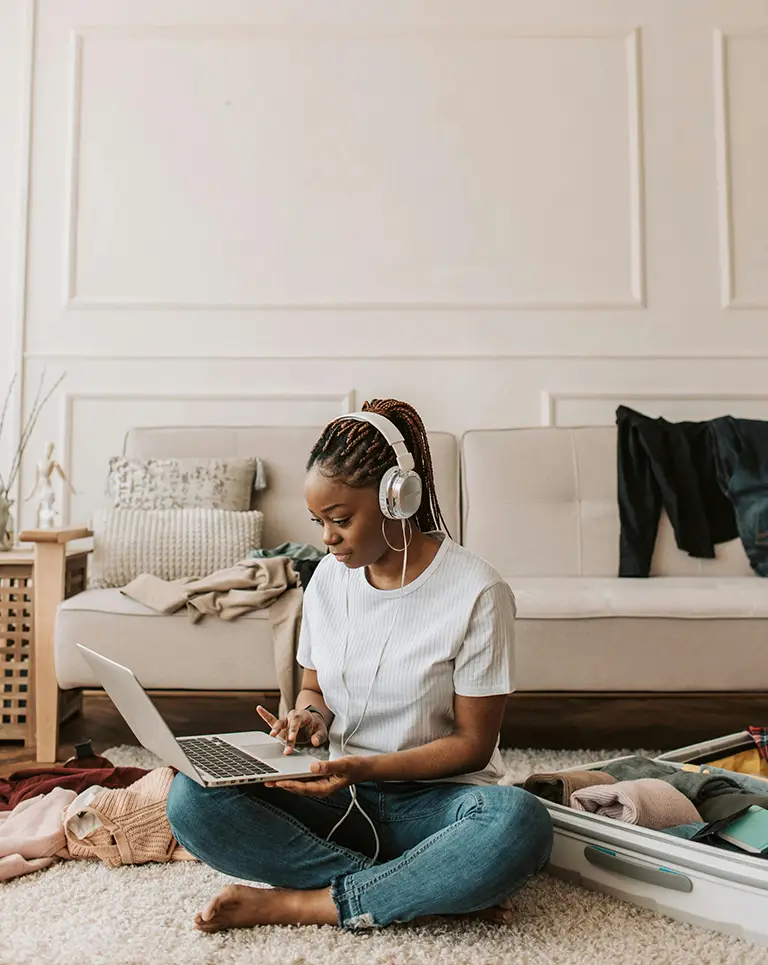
<point>134,826</point>
<point>228,594</point>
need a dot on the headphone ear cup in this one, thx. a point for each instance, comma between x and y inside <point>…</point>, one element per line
<point>385,492</point>
<point>399,493</point>
<point>408,494</point>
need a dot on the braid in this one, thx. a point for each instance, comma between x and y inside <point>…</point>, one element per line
<point>359,454</point>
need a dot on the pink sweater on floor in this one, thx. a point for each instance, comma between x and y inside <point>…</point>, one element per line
<point>32,835</point>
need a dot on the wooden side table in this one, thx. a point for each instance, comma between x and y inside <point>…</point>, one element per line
<point>27,619</point>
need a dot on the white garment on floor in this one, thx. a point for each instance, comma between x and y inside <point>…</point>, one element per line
<point>79,824</point>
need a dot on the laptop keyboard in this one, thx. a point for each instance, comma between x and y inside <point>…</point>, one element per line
<point>221,759</point>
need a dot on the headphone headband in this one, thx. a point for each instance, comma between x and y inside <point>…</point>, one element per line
<point>390,432</point>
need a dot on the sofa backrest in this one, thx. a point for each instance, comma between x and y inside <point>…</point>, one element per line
<point>284,452</point>
<point>543,502</point>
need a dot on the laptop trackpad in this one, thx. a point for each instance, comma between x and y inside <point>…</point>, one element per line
<point>269,751</point>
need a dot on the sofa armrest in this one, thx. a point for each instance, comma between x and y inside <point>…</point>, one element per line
<point>60,536</point>
<point>49,580</point>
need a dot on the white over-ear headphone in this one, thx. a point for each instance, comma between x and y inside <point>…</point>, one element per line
<point>400,488</point>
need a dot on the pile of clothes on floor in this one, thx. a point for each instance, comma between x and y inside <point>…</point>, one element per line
<point>86,809</point>
<point>696,801</point>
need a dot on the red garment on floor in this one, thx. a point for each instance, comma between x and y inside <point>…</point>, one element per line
<point>76,775</point>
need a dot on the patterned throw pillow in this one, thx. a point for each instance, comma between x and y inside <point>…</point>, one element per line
<point>169,543</point>
<point>184,483</point>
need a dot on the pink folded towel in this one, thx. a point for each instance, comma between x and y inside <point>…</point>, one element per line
<point>647,802</point>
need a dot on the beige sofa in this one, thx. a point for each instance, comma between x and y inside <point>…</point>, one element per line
<point>600,660</point>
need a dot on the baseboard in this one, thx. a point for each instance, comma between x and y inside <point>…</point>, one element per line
<point>651,720</point>
<point>567,720</point>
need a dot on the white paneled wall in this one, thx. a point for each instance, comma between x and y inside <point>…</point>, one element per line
<point>14,116</point>
<point>510,212</point>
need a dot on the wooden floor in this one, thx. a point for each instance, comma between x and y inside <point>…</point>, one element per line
<point>538,720</point>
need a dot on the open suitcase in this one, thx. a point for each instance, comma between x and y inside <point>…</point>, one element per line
<point>721,890</point>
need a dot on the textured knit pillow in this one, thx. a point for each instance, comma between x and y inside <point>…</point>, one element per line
<point>183,483</point>
<point>169,543</point>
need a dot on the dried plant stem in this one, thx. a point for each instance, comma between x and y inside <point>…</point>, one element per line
<point>34,414</point>
<point>3,487</point>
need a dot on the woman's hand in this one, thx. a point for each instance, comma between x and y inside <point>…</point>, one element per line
<point>332,776</point>
<point>299,726</point>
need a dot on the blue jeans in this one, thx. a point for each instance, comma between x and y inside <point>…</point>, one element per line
<point>445,848</point>
<point>742,471</point>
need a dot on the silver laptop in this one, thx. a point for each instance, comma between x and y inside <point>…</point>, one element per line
<point>213,760</point>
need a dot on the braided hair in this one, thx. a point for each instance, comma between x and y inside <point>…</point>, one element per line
<point>359,455</point>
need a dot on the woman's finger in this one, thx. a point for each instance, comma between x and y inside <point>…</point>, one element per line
<point>265,714</point>
<point>293,725</point>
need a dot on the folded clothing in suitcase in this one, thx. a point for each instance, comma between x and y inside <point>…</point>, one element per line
<point>722,888</point>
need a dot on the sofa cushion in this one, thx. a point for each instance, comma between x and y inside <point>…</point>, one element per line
<point>543,502</point>
<point>180,483</point>
<point>680,598</point>
<point>164,651</point>
<point>169,543</point>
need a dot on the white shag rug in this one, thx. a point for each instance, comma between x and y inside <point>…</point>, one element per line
<point>84,913</point>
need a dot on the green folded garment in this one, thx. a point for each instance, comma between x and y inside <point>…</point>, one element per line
<point>695,785</point>
<point>294,551</point>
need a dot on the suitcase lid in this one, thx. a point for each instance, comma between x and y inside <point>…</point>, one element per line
<point>719,746</point>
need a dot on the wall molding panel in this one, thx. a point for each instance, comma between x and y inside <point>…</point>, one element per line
<point>76,300</point>
<point>731,297</point>
<point>598,408</point>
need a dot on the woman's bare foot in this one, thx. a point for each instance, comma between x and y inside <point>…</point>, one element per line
<point>240,906</point>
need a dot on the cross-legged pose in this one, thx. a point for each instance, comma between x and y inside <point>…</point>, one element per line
<point>407,650</point>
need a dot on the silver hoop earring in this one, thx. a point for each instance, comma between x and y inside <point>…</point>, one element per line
<point>397,549</point>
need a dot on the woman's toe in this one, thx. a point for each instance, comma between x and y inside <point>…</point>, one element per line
<point>205,920</point>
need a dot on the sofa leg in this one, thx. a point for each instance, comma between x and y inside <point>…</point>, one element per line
<point>70,705</point>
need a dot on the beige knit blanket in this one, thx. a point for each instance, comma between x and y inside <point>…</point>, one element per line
<point>251,584</point>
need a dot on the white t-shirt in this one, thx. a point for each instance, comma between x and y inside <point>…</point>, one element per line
<point>452,633</point>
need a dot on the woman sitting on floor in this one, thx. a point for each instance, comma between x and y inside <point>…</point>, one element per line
<point>407,642</point>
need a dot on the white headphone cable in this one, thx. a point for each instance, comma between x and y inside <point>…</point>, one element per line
<point>344,740</point>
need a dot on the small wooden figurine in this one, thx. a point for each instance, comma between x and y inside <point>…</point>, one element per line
<point>43,488</point>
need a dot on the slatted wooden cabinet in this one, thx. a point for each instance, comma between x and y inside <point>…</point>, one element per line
<point>17,638</point>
